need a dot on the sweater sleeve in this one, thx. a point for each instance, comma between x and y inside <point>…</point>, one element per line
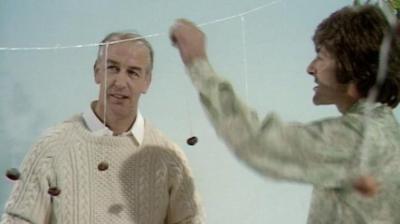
<point>29,201</point>
<point>184,204</point>
<point>9,219</point>
<point>319,153</point>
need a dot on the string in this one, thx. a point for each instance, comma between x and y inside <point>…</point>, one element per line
<point>240,14</point>
<point>244,49</point>
<point>60,47</point>
<point>106,151</point>
<point>189,116</point>
<point>105,84</point>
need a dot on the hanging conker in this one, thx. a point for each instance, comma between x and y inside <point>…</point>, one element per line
<point>13,174</point>
<point>54,191</point>
<point>192,140</point>
<point>102,166</point>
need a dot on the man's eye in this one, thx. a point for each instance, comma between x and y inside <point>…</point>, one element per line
<point>113,69</point>
<point>133,74</point>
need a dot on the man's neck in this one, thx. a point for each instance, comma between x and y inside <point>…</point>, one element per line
<point>351,97</point>
<point>117,124</point>
<point>346,105</point>
<point>120,125</point>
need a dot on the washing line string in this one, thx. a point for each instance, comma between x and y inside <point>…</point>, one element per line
<point>61,47</point>
<point>105,84</point>
<point>244,50</point>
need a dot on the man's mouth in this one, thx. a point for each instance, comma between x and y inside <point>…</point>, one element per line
<point>119,96</point>
<point>316,87</point>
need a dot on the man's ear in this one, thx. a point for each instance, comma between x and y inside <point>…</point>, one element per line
<point>96,70</point>
<point>352,90</point>
<point>148,78</point>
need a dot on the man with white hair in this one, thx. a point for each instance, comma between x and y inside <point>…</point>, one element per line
<point>109,164</point>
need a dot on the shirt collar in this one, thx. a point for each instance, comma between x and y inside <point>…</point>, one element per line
<point>97,127</point>
<point>363,106</point>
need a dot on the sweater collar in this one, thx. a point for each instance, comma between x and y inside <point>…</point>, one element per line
<point>99,129</point>
<point>363,105</point>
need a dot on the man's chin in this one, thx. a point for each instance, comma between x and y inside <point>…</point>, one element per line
<point>318,101</point>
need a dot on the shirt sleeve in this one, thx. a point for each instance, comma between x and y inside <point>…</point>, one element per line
<point>184,203</point>
<point>320,153</point>
<point>29,201</point>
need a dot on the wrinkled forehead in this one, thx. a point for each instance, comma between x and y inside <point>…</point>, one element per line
<point>123,46</point>
<point>127,54</point>
<point>128,45</point>
<point>130,54</point>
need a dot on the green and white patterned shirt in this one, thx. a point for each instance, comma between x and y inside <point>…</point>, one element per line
<point>325,153</point>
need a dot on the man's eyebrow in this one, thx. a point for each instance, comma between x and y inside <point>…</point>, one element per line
<point>112,61</point>
<point>129,67</point>
<point>135,68</point>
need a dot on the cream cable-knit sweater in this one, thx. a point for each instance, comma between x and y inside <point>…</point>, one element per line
<point>144,184</point>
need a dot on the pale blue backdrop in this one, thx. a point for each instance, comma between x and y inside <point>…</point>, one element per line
<point>41,88</point>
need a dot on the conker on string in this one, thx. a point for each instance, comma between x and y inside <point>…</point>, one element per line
<point>13,174</point>
<point>54,191</point>
<point>192,140</point>
<point>102,166</point>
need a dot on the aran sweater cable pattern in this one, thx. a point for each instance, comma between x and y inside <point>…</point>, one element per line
<point>144,184</point>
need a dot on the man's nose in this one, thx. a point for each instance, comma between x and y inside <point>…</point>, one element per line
<point>311,68</point>
<point>121,79</point>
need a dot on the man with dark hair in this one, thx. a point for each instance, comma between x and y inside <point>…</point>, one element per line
<point>353,36</point>
<point>329,153</point>
<point>109,164</point>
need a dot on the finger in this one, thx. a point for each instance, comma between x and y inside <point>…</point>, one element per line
<point>172,37</point>
<point>173,32</point>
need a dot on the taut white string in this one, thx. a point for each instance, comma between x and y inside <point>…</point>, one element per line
<point>244,49</point>
<point>240,14</point>
<point>105,84</point>
<point>60,47</point>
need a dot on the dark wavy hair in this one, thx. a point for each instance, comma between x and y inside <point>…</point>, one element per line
<point>353,35</point>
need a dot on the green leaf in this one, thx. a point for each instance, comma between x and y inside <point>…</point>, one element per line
<point>395,4</point>
<point>357,2</point>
